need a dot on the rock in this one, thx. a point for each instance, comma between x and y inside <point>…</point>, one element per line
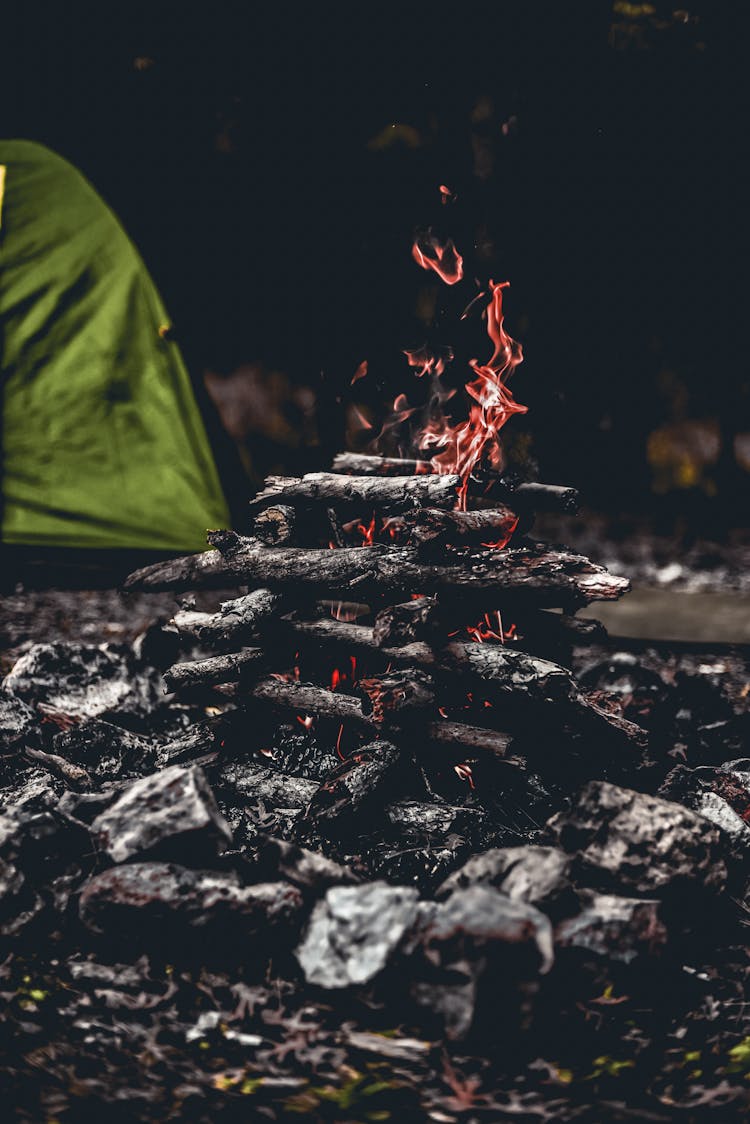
<point>305,869</point>
<point>640,842</point>
<point>473,952</point>
<point>40,856</point>
<point>79,682</point>
<point>618,928</point>
<point>19,724</point>
<point>106,751</point>
<point>721,794</point>
<point>158,898</point>
<point>354,932</point>
<point>171,813</point>
<point>538,875</point>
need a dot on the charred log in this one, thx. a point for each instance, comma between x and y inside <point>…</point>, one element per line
<point>191,571</point>
<point>548,578</point>
<point>236,620</point>
<point>400,493</point>
<point>216,669</point>
<point>435,527</point>
<point>395,695</point>
<point>404,623</point>
<point>528,496</point>
<point>275,525</point>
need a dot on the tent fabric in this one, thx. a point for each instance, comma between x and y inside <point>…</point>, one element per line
<point>103,445</point>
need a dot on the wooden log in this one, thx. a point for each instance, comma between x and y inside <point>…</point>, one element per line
<point>395,494</point>
<point>406,622</point>
<point>207,570</point>
<point>275,525</point>
<point>227,668</point>
<point>545,578</point>
<point>395,696</point>
<point>305,698</point>
<point>236,621</point>
<point>360,785</point>
<point>430,525</point>
<point>504,674</point>
<point>528,496</point>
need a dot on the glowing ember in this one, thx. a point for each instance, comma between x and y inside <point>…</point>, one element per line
<point>464,772</point>
<point>491,628</point>
<point>360,372</point>
<point>307,721</point>
<point>338,742</point>
<point>429,252</point>
<point>367,531</point>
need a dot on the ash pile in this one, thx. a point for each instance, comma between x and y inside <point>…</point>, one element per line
<point>373,769</point>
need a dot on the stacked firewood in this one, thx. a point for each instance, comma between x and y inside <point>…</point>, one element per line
<point>449,614</point>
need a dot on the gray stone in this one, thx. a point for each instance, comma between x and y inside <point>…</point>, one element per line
<point>354,931</point>
<point>641,842</point>
<point>538,875</point>
<point>172,812</point>
<point>618,928</point>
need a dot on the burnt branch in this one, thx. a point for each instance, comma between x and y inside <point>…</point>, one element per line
<point>191,571</point>
<point>390,697</point>
<point>275,525</point>
<point>236,620</point>
<point>548,578</point>
<point>397,494</point>
<point>216,669</point>
<point>406,622</point>
<point>436,527</point>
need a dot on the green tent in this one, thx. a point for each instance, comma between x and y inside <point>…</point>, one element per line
<point>103,444</point>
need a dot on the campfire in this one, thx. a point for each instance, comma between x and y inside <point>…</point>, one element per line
<point>368,792</point>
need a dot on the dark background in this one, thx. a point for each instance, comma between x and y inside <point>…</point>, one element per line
<point>272,164</point>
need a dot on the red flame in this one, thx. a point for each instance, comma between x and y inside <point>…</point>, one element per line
<point>490,627</point>
<point>475,440</point>
<point>426,362</point>
<point>307,721</point>
<point>367,531</point>
<point>429,252</point>
<point>464,772</point>
<point>360,372</point>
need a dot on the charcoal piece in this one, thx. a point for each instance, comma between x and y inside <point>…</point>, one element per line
<point>158,898</point>
<point>538,875</point>
<point>720,794</point>
<point>640,842</point>
<point>32,790</point>
<point>106,751</point>
<point>396,696</point>
<point>171,812</point>
<point>37,851</point>
<point>252,784</point>
<point>354,932</point>
<point>435,528</point>
<point>80,682</point>
<point>84,807</point>
<point>414,819</point>
<point>619,928</point>
<point>302,753</point>
<point>405,623</point>
<point>357,786</point>
<point>308,870</point>
<point>19,724</point>
<point>644,696</point>
<point>472,952</point>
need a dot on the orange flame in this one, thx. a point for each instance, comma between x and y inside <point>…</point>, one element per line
<point>429,252</point>
<point>474,440</point>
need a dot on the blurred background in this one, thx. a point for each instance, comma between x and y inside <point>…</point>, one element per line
<point>272,163</point>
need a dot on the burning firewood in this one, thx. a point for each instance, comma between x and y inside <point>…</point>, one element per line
<point>435,527</point>
<point>395,695</point>
<point>215,669</point>
<point>401,493</point>
<point>519,496</point>
<point>545,578</point>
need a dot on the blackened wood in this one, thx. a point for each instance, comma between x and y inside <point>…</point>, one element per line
<point>236,621</point>
<point>207,570</point>
<point>519,496</point>
<point>359,784</point>
<point>406,622</point>
<point>363,464</point>
<point>275,525</point>
<point>431,525</point>
<point>400,493</point>
<point>72,775</point>
<point>252,784</point>
<point>502,673</point>
<point>334,526</point>
<point>545,578</point>
<point>216,669</point>
<point>304,698</point>
<point>395,695</point>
